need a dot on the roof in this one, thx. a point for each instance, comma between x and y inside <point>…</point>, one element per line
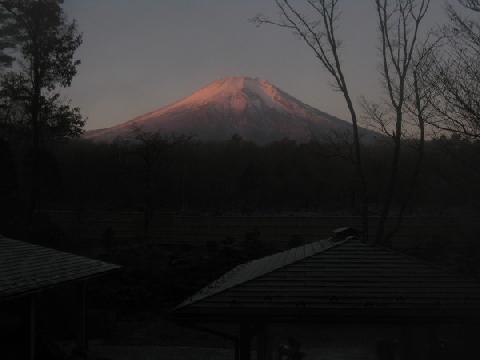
<point>27,268</point>
<point>256,268</point>
<point>334,277</point>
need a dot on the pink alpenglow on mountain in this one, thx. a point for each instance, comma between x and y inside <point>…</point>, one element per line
<point>252,108</point>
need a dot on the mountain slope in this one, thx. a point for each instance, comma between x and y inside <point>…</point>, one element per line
<point>252,108</point>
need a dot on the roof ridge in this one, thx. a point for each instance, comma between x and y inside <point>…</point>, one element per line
<point>204,293</point>
<point>39,247</point>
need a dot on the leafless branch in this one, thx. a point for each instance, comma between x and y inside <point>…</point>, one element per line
<point>318,32</point>
<point>399,23</point>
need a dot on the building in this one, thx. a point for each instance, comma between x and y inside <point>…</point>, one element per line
<point>28,272</point>
<point>339,298</point>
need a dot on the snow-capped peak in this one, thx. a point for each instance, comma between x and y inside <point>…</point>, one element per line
<point>250,107</point>
<point>236,93</point>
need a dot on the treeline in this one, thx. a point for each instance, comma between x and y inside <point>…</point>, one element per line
<point>237,176</point>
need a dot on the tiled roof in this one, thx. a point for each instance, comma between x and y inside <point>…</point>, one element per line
<point>256,268</point>
<point>334,276</point>
<point>26,268</point>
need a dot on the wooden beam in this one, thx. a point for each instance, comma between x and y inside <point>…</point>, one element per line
<point>221,334</point>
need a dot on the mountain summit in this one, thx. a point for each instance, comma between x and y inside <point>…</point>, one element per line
<point>250,107</point>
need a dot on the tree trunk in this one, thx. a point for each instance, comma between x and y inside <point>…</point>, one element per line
<point>392,181</point>
<point>35,165</point>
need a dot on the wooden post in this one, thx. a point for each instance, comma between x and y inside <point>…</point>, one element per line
<point>406,343</point>
<point>82,339</point>
<point>433,342</point>
<point>32,333</point>
<point>263,346</point>
<point>237,349</point>
<point>245,342</point>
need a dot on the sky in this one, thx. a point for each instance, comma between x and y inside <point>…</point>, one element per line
<point>140,55</point>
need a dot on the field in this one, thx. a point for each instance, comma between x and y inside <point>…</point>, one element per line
<point>89,230</point>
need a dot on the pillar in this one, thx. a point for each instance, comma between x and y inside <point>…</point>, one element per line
<point>32,329</point>
<point>82,339</point>
<point>433,342</point>
<point>263,344</point>
<point>245,342</point>
<point>406,343</point>
<point>237,349</point>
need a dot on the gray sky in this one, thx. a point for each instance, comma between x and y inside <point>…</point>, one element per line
<point>139,55</point>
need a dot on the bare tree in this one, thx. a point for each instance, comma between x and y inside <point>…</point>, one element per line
<point>456,75</point>
<point>318,32</point>
<point>471,4</point>
<point>399,23</point>
<point>418,113</point>
<point>399,28</point>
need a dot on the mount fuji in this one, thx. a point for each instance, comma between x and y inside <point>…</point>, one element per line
<point>252,108</point>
